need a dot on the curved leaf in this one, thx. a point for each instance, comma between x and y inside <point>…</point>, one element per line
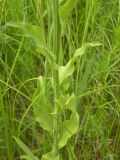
<point>26,157</point>
<point>65,11</point>
<point>37,34</point>
<point>50,156</point>
<point>67,102</point>
<point>66,71</point>
<point>42,109</point>
<point>68,128</point>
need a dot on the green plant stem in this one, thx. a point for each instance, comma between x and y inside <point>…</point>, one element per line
<point>56,49</point>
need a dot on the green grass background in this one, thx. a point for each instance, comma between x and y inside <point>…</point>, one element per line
<point>96,80</point>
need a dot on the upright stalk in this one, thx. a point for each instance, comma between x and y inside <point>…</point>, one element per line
<point>56,50</point>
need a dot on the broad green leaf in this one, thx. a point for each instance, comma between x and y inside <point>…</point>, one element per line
<point>37,34</point>
<point>50,156</point>
<point>66,71</point>
<point>61,1</point>
<point>42,109</point>
<point>65,85</point>
<point>71,103</point>
<point>25,149</point>
<point>33,31</point>
<point>65,11</point>
<point>26,157</point>
<point>67,102</point>
<point>68,128</point>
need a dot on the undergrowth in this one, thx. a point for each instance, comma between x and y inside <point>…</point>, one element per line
<point>59,80</point>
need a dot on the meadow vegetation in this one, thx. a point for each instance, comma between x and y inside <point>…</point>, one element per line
<point>60,79</point>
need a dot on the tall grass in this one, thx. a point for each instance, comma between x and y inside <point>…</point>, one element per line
<point>38,41</point>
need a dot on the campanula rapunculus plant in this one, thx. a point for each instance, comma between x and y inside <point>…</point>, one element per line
<point>52,116</point>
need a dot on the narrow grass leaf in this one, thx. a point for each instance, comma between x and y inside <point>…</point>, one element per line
<point>25,149</point>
